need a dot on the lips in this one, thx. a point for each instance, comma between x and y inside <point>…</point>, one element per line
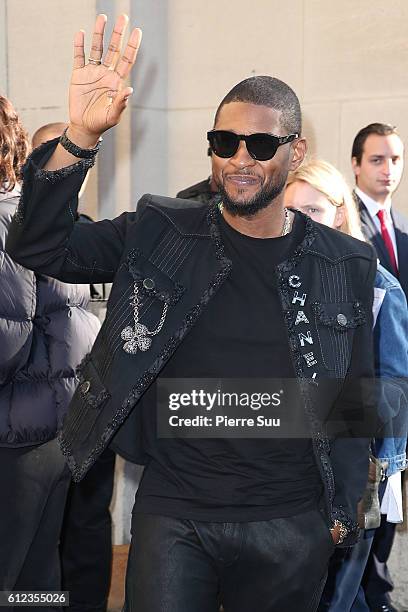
<point>242,180</point>
<point>386,183</point>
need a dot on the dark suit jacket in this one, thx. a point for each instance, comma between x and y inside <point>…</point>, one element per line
<point>372,234</point>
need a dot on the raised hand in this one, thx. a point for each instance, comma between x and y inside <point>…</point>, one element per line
<point>97,95</point>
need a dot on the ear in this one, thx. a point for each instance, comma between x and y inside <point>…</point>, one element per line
<point>339,217</point>
<point>299,148</point>
<point>356,167</point>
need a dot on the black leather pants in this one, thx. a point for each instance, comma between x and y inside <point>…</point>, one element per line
<point>178,565</point>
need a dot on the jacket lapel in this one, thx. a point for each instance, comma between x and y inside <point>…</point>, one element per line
<point>372,234</point>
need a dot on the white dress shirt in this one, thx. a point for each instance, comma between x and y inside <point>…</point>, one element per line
<point>373,207</point>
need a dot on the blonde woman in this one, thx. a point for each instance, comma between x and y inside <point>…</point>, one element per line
<point>319,190</point>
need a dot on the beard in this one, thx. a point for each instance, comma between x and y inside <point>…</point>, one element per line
<point>251,206</point>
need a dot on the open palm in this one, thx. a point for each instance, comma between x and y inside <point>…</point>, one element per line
<point>97,95</point>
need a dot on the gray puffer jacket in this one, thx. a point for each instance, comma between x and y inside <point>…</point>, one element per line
<point>45,331</point>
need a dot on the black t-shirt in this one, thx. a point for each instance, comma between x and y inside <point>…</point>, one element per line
<point>241,334</point>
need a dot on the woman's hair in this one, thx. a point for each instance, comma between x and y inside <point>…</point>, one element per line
<point>14,146</point>
<point>330,182</point>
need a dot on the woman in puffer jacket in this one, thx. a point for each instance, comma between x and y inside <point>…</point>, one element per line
<point>45,331</point>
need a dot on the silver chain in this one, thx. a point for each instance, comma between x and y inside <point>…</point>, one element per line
<point>139,336</point>
<point>286,223</point>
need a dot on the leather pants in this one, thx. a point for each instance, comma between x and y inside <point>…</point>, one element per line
<point>178,565</point>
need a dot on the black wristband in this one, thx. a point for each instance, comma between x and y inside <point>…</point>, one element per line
<point>75,150</point>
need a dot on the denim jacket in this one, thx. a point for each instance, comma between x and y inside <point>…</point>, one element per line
<point>391,368</point>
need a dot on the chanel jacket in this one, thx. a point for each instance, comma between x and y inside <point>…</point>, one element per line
<point>169,254</point>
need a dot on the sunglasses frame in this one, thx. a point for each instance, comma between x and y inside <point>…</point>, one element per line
<point>280,140</point>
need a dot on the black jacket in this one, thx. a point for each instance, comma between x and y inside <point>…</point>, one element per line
<point>175,246</point>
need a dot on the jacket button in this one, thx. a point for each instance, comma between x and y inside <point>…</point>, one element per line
<point>148,283</point>
<point>84,388</point>
<point>341,319</point>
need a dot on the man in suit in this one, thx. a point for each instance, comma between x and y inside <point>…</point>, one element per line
<point>377,159</point>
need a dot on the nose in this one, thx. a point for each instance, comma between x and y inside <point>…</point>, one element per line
<point>242,158</point>
<point>387,167</point>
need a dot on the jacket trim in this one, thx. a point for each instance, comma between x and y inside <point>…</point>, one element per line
<point>51,176</point>
<point>320,441</point>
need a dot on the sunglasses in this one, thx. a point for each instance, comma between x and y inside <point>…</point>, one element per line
<point>259,146</point>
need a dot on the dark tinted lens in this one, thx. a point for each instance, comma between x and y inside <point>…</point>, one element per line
<point>224,144</point>
<point>262,146</point>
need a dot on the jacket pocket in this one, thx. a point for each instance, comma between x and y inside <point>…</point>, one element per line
<point>89,398</point>
<point>153,293</point>
<point>140,299</point>
<point>335,325</point>
<point>152,280</point>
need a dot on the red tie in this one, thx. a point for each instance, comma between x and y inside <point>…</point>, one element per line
<point>387,239</point>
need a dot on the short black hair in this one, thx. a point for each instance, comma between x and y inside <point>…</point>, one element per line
<point>268,91</point>
<point>381,129</point>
